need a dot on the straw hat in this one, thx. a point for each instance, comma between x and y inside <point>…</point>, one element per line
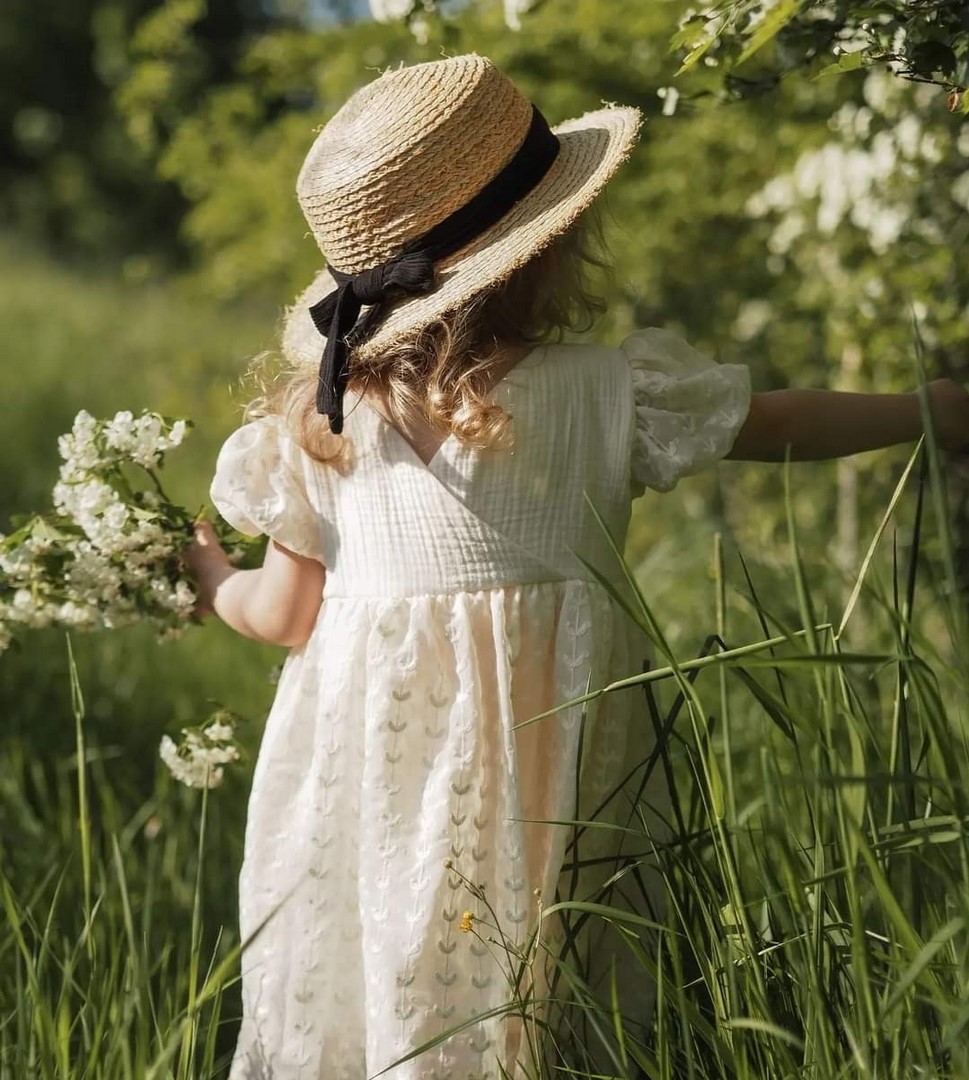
<point>411,150</point>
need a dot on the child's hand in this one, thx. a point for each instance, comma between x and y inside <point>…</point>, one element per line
<point>207,561</point>
<point>950,410</point>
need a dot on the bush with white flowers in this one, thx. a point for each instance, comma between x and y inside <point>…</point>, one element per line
<point>109,553</point>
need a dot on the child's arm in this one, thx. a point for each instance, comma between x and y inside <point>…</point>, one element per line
<point>278,603</point>
<point>820,424</point>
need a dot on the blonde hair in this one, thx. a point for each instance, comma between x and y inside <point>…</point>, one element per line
<point>442,372</point>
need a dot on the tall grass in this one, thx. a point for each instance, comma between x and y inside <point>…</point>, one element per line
<point>102,943</point>
<point>815,863</point>
<point>816,866</point>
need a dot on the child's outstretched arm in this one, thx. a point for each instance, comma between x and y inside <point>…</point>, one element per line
<point>278,603</point>
<point>819,424</point>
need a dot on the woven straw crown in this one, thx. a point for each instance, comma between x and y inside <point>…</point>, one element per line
<point>406,152</point>
<point>414,146</point>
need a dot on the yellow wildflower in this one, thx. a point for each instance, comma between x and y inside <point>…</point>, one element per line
<point>467,918</point>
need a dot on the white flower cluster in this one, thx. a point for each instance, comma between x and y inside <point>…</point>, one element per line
<point>199,760</point>
<point>109,555</point>
<point>144,439</point>
<point>93,444</point>
<point>872,179</point>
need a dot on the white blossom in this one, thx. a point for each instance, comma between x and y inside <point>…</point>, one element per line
<point>514,9</point>
<point>868,179</point>
<point>38,545</point>
<point>178,598</point>
<point>142,439</point>
<point>670,96</point>
<point>200,759</point>
<point>752,317</point>
<point>118,431</point>
<point>29,610</point>
<point>421,29</point>
<point>388,10</point>
<point>79,448</point>
<point>18,565</point>
<point>92,575</point>
<point>77,615</point>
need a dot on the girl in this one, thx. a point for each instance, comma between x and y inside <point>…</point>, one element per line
<point>426,487</point>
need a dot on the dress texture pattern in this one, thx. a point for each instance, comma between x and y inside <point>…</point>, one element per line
<point>458,603</point>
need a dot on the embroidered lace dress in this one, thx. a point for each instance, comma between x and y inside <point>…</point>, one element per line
<point>457,604</point>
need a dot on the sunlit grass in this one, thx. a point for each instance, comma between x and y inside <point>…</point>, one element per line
<point>815,867</point>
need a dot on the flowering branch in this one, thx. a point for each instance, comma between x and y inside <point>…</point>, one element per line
<point>109,554</point>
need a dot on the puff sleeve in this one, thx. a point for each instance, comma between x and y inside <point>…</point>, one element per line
<point>260,486</point>
<point>688,408</point>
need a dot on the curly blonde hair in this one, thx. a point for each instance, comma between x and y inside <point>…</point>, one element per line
<point>442,371</point>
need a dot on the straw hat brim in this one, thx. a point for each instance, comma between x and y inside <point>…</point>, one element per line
<point>591,149</point>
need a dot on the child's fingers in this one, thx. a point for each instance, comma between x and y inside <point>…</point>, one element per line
<point>203,610</point>
<point>205,533</point>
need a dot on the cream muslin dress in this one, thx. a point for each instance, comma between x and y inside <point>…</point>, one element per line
<point>456,605</point>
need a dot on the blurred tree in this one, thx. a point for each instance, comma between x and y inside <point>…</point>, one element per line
<point>70,171</point>
<point>867,232</point>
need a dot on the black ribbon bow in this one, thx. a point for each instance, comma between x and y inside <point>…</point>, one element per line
<point>412,272</point>
<point>337,315</point>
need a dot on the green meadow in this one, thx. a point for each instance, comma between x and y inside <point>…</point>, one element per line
<point>814,725</point>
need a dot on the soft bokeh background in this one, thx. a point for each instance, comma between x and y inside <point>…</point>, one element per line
<point>150,235</point>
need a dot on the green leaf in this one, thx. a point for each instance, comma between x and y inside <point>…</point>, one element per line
<point>870,554</point>
<point>769,27</point>
<point>691,33</point>
<point>696,54</point>
<point>606,911</point>
<point>752,1024</point>
<point>926,955</point>
<point>849,62</point>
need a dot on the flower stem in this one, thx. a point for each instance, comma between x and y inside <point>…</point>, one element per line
<point>83,810</point>
<point>190,1031</point>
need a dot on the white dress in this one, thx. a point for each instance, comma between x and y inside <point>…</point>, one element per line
<point>458,602</point>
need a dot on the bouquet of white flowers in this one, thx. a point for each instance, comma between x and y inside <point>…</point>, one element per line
<point>109,554</point>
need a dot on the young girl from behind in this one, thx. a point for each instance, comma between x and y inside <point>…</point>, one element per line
<point>426,477</point>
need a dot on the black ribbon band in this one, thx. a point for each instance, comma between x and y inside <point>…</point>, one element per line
<point>337,315</point>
